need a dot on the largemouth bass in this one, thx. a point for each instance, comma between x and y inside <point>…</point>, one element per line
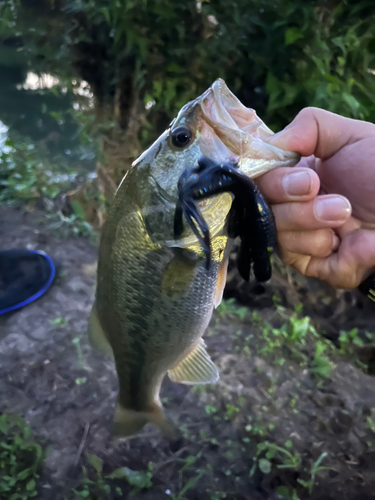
<point>155,295</point>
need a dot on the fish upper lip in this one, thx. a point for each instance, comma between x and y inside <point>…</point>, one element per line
<point>236,125</point>
<point>217,98</point>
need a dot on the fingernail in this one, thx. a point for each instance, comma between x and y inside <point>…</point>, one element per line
<point>332,208</point>
<point>297,183</point>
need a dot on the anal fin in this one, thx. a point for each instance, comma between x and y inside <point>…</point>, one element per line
<point>196,368</point>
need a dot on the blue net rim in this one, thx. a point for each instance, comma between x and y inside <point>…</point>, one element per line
<point>42,291</point>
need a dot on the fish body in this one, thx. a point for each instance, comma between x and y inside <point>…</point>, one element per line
<point>155,295</point>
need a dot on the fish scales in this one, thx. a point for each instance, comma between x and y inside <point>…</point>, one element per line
<point>133,268</point>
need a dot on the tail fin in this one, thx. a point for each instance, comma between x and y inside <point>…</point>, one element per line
<point>127,422</point>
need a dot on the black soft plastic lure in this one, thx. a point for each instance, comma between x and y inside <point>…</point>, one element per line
<point>250,218</point>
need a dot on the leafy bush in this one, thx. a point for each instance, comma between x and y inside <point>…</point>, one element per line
<point>277,55</point>
<point>26,172</point>
<point>313,53</point>
<point>304,54</point>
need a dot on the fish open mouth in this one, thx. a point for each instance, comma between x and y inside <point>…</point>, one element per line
<point>232,132</point>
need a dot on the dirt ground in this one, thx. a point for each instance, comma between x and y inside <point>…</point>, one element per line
<point>51,376</point>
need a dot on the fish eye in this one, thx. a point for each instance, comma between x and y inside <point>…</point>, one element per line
<point>181,136</point>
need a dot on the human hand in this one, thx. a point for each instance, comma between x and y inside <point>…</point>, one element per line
<point>330,235</point>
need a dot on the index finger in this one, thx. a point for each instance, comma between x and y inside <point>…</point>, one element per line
<point>320,133</point>
<point>287,184</point>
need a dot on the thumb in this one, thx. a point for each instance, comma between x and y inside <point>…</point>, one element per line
<point>320,133</point>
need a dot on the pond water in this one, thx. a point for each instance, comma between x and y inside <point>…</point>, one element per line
<point>38,108</point>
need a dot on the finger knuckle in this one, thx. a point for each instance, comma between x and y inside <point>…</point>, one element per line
<point>321,246</point>
<point>299,262</point>
<point>306,113</point>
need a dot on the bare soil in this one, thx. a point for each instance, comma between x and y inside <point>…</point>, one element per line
<point>51,376</point>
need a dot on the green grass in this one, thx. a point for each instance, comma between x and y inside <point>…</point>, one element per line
<point>58,322</point>
<point>296,338</point>
<point>229,308</point>
<point>271,451</point>
<point>21,458</point>
<point>28,173</point>
<point>95,485</point>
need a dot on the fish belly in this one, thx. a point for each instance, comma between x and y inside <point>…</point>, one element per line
<point>153,307</point>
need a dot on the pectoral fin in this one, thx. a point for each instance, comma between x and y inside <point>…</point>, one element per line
<point>178,276</point>
<point>196,368</point>
<point>221,282</point>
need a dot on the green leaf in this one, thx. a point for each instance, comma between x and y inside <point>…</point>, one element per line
<point>287,493</point>
<point>320,348</point>
<point>139,479</point>
<point>106,14</point>
<point>78,210</point>
<point>190,484</point>
<point>175,68</point>
<point>24,474</point>
<point>30,486</point>
<point>4,424</point>
<point>357,341</point>
<point>292,35</point>
<point>265,465</point>
<point>83,494</point>
<point>351,101</point>
<point>26,432</point>
<point>272,84</point>
<point>96,462</point>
